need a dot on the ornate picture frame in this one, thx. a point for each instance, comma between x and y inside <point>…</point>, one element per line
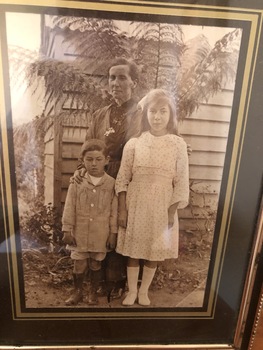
<point>53,76</point>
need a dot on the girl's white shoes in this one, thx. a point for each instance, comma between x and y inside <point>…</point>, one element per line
<point>130,299</point>
<point>132,277</point>
<point>143,299</point>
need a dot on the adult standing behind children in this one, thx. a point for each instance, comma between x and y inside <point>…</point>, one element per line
<point>89,220</point>
<point>152,183</point>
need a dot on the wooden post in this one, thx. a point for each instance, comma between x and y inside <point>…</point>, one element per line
<point>57,163</point>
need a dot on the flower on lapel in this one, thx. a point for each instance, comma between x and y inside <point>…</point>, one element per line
<point>109,131</point>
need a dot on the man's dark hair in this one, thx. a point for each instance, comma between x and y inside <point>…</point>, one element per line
<point>133,68</point>
<point>93,145</point>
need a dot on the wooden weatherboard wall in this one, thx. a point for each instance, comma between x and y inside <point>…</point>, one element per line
<point>206,131</point>
<point>62,149</point>
<point>73,136</point>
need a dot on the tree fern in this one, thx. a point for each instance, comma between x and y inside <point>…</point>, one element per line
<point>63,79</point>
<point>159,47</point>
<point>93,39</point>
<point>209,75</point>
<point>20,59</point>
<point>191,71</point>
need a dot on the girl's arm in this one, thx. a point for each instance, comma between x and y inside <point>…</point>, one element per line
<point>122,211</point>
<point>181,179</point>
<point>112,239</point>
<point>123,179</point>
<point>125,172</point>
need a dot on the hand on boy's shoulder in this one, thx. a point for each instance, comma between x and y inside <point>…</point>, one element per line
<point>78,176</point>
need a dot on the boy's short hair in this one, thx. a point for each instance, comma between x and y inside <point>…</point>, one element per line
<point>93,145</point>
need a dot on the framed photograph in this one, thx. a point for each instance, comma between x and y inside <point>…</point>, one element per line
<point>159,100</point>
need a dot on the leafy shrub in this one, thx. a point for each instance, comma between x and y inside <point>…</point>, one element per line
<point>42,225</point>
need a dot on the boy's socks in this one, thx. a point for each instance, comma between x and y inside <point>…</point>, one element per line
<point>147,277</point>
<point>132,278</point>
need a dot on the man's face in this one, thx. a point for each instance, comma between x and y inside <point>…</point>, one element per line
<point>120,83</point>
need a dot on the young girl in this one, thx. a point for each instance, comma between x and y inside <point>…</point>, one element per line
<point>152,184</point>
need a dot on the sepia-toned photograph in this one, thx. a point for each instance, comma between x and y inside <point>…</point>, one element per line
<point>146,103</point>
<point>130,173</point>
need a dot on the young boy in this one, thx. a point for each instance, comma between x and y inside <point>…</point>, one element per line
<point>89,220</point>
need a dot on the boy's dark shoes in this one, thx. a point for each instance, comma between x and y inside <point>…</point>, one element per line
<point>77,294</point>
<point>92,298</point>
<point>75,297</point>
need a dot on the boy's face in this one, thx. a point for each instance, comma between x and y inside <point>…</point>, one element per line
<point>94,162</point>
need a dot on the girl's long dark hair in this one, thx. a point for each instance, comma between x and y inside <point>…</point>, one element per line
<point>155,96</point>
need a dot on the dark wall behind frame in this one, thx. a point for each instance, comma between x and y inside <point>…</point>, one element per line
<point>165,330</point>
<point>255,297</point>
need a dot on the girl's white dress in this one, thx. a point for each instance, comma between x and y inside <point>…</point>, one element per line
<point>154,172</point>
